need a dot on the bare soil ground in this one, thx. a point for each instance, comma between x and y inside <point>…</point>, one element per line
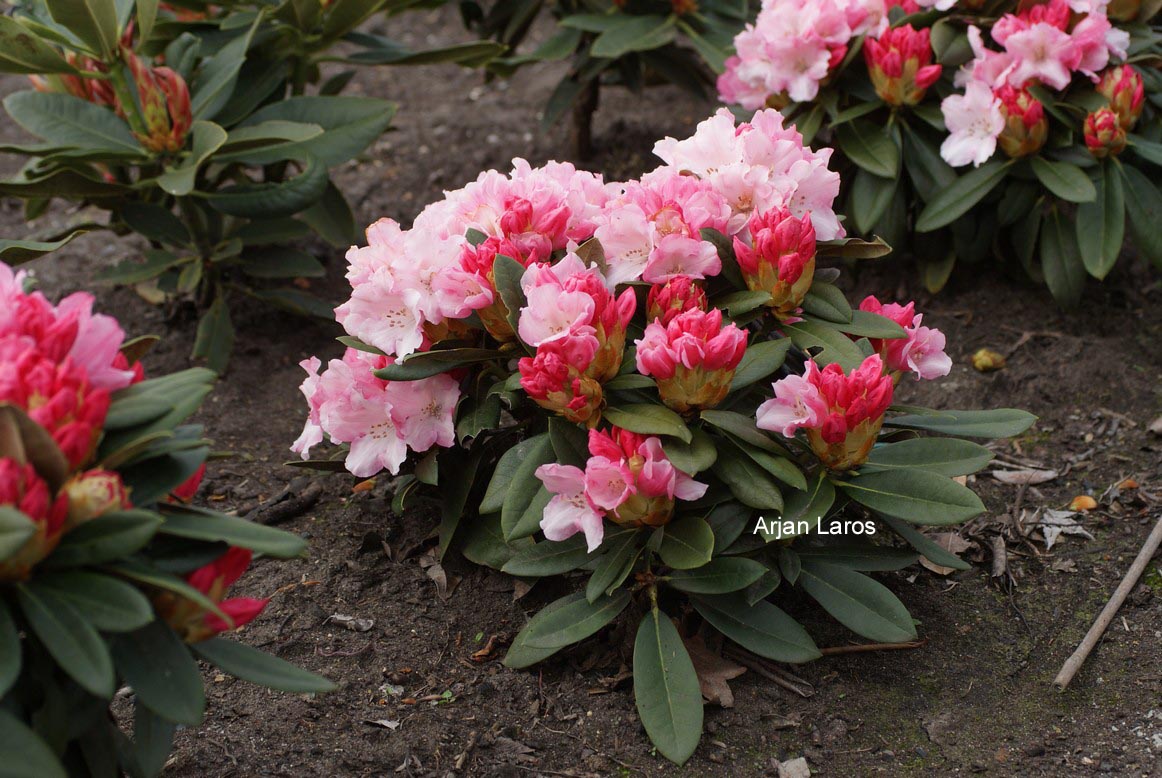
<point>977,698</point>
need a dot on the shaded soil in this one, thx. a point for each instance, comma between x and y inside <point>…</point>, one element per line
<point>976,698</point>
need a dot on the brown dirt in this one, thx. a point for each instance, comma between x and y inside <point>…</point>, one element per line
<point>976,698</point>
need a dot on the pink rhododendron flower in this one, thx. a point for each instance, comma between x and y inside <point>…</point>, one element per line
<point>190,620</point>
<point>779,258</point>
<point>380,419</point>
<point>974,121</point>
<point>692,358</point>
<point>921,352</point>
<point>652,230</point>
<point>569,300</point>
<point>757,166</point>
<point>1042,52</point>
<point>840,413</point>
<point>22,489</point>
<point>627,479</point>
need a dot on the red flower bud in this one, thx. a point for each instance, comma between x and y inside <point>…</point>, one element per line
<point>193,622</point>
<point>900,64</point>
<point>1104,134</point>
<point>23,489</point>
<point>780,258</point>
<point>679,294</point>
<point>1025,125</point>
<point>1123,87</point>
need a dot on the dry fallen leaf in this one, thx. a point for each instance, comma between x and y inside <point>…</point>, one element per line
<point>1082,502</point>
<point>1055,523</point>
<point>383,723</point>
<point>445,584</point>
<point>713,672</point>
<point>352,623</point>
<point>951,542</point>
<point>1024,477</point>
<point>1156,426</point>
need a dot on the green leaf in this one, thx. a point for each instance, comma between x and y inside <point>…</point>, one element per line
<point>70,640</point>
<point>215,339</point>
<point>954,201</point>
<point>157,664</point>
<point>790,566</point>
<point>570,442</point>
<point>719,576</point>
<point>693,457</point>
<point>250,664</point>
<point>1144,208</point>
<point>15,531</point>
<point>647,419</point>
<point>478,415</point>
<point>298,303</point>
<point>482,542</point>
<point>207,138</point>
<point>861,556</point>
<point>871,147</point>
<point>869,199</point>
<point>10,659</point>
<point>808,506</point>
<point>618,553</point>
<point>152,740</point>
<point>737,304</point>
<point>109,604</point>
<point>780,467</point>
<point>742,428</point>
<point>526,497</point>
<point>995,423</point>
<point>687,543</point>
<point>281,262</point>
<point>634,33</point>
<point>918,496</point>
<point>331,218</point>
<point>70,121</point>
<point>747,481</point>
<point>728,520</point>
<point>25,754</point>
<point>929,548</point>
<point>548,557</point>
<point>666,689</point>
<point>272,199</point>
<point>854,248</point>
<point>761,628</point>
<point>827,341</point>
<point>114,535</point>
<point>760,361</point>
<point>506,468</point>
<point>424,364</point>
<point>1067,181</point>
<point>21,51</point>
<point>507,273</point>
<point>94,22</point>
<point>16,252</point>
<point>946,456</point>
<point>130,272</point>
<point>1101,225</point>
<point>215,82</point>
<point>154,222</point>
<point>197,524</point>
<point>350,124</point>
<point>858,602</point>
<point>566,621</point>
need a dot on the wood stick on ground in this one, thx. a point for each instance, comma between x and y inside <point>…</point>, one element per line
<point>771,672</point>
<point>1074,663</point>
<point>833,650</point>
<point>287,506</point>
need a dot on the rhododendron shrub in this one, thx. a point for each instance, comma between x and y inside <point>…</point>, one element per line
<point>194,129</point>
<point>108,578</point>
<point>631,383</point>
<point>1024,131</point>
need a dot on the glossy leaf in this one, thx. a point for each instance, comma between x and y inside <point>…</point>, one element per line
<point>649,420</point>
<point>946,456</point>
<point>75,645</point>
<point>761,628</point>
<point>687,543</point>
<point>109,604</point>
<point>157,664</point>
<point>197,524</point>
<point>15,531</point>
<point>693,457</point>
<point>70,121</point>
<point>719,576</point>
<point>760,361</point>
<point>562,623</point>
<point>1101,225</point>
<point>870,146</point>
<point>25,754</point>
<point>858,602</point>
<point>956,200</point>
<point>1067,181</point>
<point>548,557</point>
<point>918,496</point>
<point>666,689</point>
<point>250,664</point>
<point>996,423</point>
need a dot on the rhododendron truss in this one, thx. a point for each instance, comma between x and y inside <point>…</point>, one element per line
<point>99,548</point>
<point>1023,131</point>
<point>638,372</point>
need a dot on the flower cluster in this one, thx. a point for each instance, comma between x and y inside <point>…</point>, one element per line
<point>1046,45</point>
<point>60,366</point>
<point>628,479</point>
<point>794,45</point>
<point>434,286</point>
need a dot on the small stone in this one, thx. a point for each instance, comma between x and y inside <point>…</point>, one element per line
<point>1035,749</point>
<point>887,754</point>
<point>794,768</point>
<point>921,752</point>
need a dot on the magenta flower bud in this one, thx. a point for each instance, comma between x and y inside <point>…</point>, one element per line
<point>900,65</point>
<point>23,489</point>
<point>779,258</point>
<point>1104,133</point>
<point>693,358</point>
<point>1123,87</point>
<point>191,620</point>
<point>679,294</point>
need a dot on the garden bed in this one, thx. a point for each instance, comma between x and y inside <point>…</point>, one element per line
<point>978,696</point>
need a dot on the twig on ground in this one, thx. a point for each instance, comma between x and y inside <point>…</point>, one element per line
<point>1077,659</point>
<point>833,650</point>
<point>285,506</point>
<point>770,671</point>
